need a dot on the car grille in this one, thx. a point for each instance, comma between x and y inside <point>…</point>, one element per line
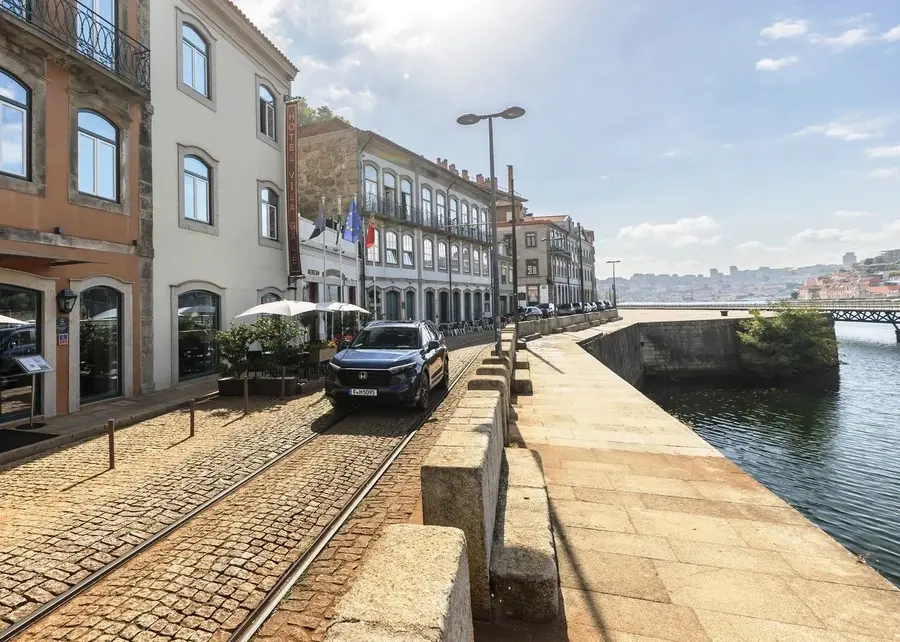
<point>374,378</point>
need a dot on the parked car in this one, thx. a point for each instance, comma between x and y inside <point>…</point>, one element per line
<point>547,309</point>
<point>389,361</point>
<point>577,308</point>
<point>565,309</point>
<point>608,305</point>
<point>532,312</point>
<point>589,307</point>
<point>600,305</point>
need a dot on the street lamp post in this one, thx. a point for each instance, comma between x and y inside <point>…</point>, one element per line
<point>615,295</point>
<point>471,119</point>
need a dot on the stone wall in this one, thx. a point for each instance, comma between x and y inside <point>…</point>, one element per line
<point>327,166</point>
<point>620,351</point>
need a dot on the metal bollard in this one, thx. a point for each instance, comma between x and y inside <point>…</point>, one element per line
<point>246,396</point>
<point>192,416</point>
<point>111,432</point>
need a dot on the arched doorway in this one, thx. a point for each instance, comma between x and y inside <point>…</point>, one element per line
<point>199,318</point>
<point>457,307</point>
<point>478,308</point>
<point>429,306</point>
<point>410,305</point>
<point>20,336</point>
<point>375,303</point>
<point>467,303</point>
<point>444,307</point>
<point>392,305</point>
<point>100,344</point>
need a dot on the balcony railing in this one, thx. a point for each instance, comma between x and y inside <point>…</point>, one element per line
<point>74,25</point>
<point>415,216</point>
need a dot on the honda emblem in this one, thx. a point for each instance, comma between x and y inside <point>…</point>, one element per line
<point>363,375</point>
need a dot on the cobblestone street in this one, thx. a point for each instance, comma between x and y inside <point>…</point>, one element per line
<point>221,563</point>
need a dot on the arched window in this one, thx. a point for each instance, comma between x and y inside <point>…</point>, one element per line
<point>405,198</point>
<point>98,156</point>
<point>428,253</point>
<point>408,253</point>
<point>390,248</point>
<point>100,343</point>
<point>197,181</point>
<point>464,221</point>
<point>267,112</point>
<point>370,176</point>
<point>454,258</point>
<point>373,254</point>
<point>442,256</point>
<point>467,263</point>
<point>198,321</point>
<point>269,212</point>
<point>426,206</point>
<point>270,297</point>
<point>195,60</point>
<point>15,116</point>
<point>441,202</point>
<point>390,192</point>
<point>476,262</point>
<point>454,212</point>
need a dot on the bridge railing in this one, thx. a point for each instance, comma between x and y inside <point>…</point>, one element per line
<point>822,304</point>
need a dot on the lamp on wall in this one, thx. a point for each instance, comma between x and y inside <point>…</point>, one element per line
<point>65,300</point>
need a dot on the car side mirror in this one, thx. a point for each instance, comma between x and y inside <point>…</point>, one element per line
<point>433,345</point>
<point>344,345</point>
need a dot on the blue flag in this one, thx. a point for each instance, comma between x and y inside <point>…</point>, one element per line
<point>319,223</point>
<point>353,226</point>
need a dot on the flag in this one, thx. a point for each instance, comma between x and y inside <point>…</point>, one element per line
<point>353,224</point>
<point>320,222</point>
<point>370,235</point>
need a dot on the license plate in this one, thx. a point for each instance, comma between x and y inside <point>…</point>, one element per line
<point>363,392</point>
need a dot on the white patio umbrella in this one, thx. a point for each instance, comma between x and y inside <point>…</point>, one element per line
<point>282,308</point>
<point>338,306</point>
<point>10,320</point>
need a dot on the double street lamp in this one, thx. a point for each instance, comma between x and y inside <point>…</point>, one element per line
<point>510,113</point>
<point>615,295</point>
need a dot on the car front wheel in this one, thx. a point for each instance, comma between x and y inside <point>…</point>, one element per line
<point>424,393</point>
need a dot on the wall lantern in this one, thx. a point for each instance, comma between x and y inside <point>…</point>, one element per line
<point>65,300</point>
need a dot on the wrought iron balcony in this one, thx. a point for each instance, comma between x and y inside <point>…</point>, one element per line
<point>76,27</point>
<point>407,213</point>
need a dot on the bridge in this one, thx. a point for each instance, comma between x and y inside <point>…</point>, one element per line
<point>857,310</point>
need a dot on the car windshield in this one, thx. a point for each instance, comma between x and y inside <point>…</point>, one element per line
<point>544,306</point>
<point>387,338</point>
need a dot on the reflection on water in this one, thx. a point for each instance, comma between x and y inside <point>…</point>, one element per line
<point>834,455</point>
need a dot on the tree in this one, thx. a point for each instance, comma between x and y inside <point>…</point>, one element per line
<point>309,115</point>
<point>793,341</point>
<point>795,295</point>
<point>234,344</point>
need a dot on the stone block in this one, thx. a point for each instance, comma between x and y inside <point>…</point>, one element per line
<point>521,345</point>
<point>522,382</point>
<point>523,361</point>
<point>413,587</point>
<point>500,384</point>
<point>494,371</point>
<point>524,575</point>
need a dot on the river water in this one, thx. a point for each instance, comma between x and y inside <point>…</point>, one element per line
<point>834,455</point>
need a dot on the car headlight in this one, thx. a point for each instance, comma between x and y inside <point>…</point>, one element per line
<point>334,366</point>
<point>402,369</point>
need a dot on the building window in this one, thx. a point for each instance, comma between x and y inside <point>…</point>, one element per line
<point>370,176</point>
<point>93,27</point>
<point>269,213</point>
<point>373,254</point>
<point>100,344</point>
<point>426,206</point>
<point>390,192</point>
<point>198,322</point>
<point>485,269</point>
<point>197,180</point>
<point>441,202</point>
<point>390,248</point>
<point>454,258</point>
<point>408,254</point>
<point>14,121</point>
<point>531,239</point>
<point>476,262</point>
<point>442,256</point>
<point>98,156</point>
<point>20,336</point>
<point>464,222</point>
<point>194,60</point>
<point>531,267</point>
<point>467,264</point>
<point>454,212</point>
<point>428,254</point>
<point>503,275</point>
<point>405,198</point>
<point>267,122</point>
<point>271,297</point>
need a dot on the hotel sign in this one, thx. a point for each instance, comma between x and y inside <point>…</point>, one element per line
<point>292,112</point>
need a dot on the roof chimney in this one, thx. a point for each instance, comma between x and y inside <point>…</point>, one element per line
<point>479,179</point>
<point>452,168</point>
<point>439,160</point>
<point>465,174</point>
<point>444,163</point>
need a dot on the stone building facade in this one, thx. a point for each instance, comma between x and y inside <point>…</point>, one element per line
<point>76,203</point>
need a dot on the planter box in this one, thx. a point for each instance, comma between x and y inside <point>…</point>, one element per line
<point>259,387</point>
<point>231,387</point>
<point>321,354</point>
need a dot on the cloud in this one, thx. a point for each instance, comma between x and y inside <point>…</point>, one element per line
<point>884,152</point>
<point>757,246</point>
<point>852,214</point>
<point>850,129</point>
<point>893,35</point>
<point>673,153</point>
<point>605,177</point>
<point>775,64</point>
<point>833,235</point>
<point>682,233</point>
<point>886,173</point>
<point>849,38</point>
<point>728,145</point>
<point>784,29</point>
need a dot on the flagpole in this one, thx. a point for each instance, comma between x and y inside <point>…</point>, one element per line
<point>375,274</point>
<point>340,247</point>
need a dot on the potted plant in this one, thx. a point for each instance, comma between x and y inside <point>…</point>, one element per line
<point>322,350</point>
<point>234,344</point>
<point>277,336</point>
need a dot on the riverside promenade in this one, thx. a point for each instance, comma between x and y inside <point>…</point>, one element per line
<point>660,537</point>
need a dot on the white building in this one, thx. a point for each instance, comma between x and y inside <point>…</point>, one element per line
<point>218,177</point>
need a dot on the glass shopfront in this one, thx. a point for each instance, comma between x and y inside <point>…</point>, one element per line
<point>199,319</point>
<point>100,343</point>
<point>20,336</point>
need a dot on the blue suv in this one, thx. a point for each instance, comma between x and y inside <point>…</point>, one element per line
<point>389,361</point>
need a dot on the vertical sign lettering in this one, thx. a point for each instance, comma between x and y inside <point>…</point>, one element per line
<point>293,224</point>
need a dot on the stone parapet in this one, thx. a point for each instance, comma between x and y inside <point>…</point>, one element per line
<point>570,323</point>
<point>414,587</point>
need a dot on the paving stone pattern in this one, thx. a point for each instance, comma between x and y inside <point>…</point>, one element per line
<point>306,612</point>
<point>205,578</point>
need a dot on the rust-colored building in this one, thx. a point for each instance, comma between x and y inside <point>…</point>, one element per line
<point>75,203</point>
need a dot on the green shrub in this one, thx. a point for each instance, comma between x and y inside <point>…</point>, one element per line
<point>793,341</point>
<point>233,345</point>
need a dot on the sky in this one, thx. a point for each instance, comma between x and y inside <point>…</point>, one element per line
<point>688,134</point>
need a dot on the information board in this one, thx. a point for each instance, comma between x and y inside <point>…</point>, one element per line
<point>34,364</point>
